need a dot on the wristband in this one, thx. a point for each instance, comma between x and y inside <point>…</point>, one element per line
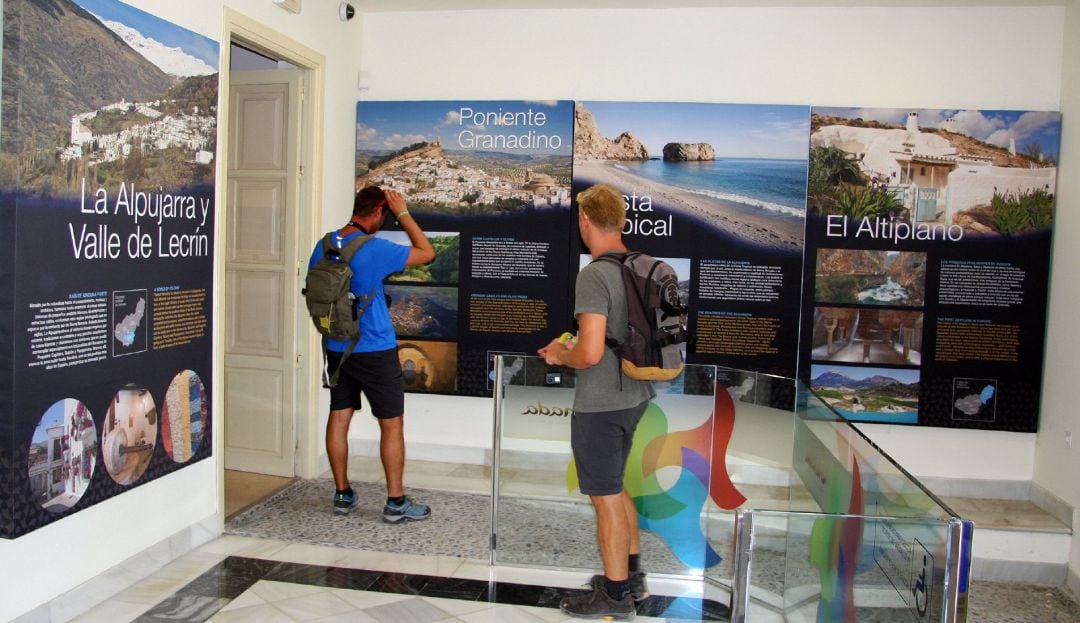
<point>566,337</point>
<point>401,214</point>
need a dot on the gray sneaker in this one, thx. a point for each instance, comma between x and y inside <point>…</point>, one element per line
<point>597,604</point>
<point>407,511</point>
<point>345,502</point>
<point>639,589</point>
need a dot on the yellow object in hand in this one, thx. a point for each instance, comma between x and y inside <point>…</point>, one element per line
<point>566,338</point>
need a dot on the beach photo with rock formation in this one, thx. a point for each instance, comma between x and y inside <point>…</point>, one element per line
<point>944,173</point>
<point>467,157</point>
<point>736,169</point>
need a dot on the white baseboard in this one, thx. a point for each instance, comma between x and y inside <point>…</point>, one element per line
<point>465,455</point>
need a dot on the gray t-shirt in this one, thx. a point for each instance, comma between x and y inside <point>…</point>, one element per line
<point>599,290</point>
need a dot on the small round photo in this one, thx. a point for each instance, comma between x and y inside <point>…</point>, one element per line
<point>183,416</point>
<point>129,434</point>
<point>62,455</point>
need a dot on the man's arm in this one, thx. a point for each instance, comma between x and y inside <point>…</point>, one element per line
<point>589,350</point>
<point>421,252</point>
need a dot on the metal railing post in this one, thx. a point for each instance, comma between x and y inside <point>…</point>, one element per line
<point>497,393</point>
<point>957,568</point>
<point>743,540</point>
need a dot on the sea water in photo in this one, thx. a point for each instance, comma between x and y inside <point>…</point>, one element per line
<point>771,187</point>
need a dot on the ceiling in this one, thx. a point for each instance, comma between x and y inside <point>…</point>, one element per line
<point>383,6</point>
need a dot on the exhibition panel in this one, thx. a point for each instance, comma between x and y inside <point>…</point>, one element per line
<point>107,219</point>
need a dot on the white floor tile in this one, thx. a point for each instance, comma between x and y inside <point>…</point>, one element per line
<point>111,611</point>
<point>414,609</point>
<point>314,606</point>
<point>252,547</point>
<point>504,614</point>
<point>246,599</point>
<point>271,592</point>
<point>365,599</point>
<point>264,613</point>
<point>458,607</point>
<point>309,554</point>
<point>353,616</point>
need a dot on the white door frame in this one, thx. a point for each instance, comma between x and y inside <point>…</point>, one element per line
<point>252,34</point>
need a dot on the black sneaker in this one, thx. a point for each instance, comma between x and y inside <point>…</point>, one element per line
<point>599,605</point>
<point>639,589</point>
<point>344,502</point>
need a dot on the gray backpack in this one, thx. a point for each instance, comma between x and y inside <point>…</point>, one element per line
<point>653,349</point>
<point>334,308</point>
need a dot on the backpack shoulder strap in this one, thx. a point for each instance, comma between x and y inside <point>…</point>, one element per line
<point>353,246</point>
<point>328,243</point>
<point>346,252</point>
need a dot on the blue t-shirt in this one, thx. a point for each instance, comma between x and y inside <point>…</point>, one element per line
<point>376,260</point>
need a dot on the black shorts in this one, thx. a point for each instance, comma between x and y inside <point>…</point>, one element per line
<point>601,443</point>
<point>377,375</point>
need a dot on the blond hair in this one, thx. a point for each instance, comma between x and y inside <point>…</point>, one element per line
<point>604,207</point>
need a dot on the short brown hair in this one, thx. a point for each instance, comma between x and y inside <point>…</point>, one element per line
<point>366,200</point>
<point>603,206</point>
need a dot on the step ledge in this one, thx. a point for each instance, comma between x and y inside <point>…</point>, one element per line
<point>1048,573</point>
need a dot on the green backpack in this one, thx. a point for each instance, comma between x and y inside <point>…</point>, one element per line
<point>334,308</point>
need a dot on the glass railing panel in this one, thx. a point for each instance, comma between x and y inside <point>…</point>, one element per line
<point>831,456</point>
<point>540,519</point>
<point>842,567</point>
<point>753,436</point>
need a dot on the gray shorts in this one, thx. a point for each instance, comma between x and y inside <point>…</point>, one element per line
<point>601,443</point>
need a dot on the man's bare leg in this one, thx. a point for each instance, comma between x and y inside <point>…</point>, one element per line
<point>631,522</point>
<point>613,535</point>
<point>392,453</point>
<point>337,446</point>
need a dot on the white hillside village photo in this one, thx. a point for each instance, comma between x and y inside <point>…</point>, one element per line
<point>146,125</point>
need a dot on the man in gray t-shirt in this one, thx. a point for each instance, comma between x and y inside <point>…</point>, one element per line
<point>607,409</point>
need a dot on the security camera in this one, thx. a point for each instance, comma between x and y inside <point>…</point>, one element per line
<point>345,11</point>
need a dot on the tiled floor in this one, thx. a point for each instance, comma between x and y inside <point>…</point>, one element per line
<point>253,579</point>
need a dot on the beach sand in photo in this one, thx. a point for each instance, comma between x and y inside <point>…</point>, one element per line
<point>780,233</point>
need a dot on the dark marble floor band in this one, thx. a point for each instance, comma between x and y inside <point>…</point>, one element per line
<point>213,590</point>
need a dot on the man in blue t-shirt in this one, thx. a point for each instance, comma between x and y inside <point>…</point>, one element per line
<point>373,367</point>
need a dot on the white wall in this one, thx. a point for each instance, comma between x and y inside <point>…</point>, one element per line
<point>1058,465</point>
<point>59,557</point>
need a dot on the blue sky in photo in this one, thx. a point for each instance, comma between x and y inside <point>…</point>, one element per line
<point>54,416</point>
<point>992,126</point>
<point>385,126</point>
<point>400,237</point>
<point>733,130</point>
<point>903,375</point>
<point>170,34</point>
